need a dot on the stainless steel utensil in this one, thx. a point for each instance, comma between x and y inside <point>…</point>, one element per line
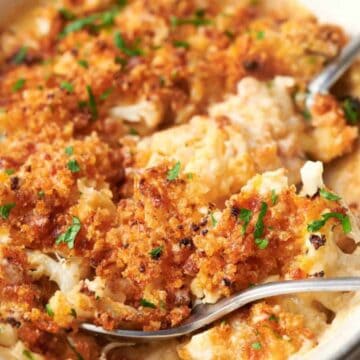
<point>205,314</point>
<point>332,72</point>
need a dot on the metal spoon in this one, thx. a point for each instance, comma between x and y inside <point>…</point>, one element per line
<point>332,72</point>
<point>203,315</point>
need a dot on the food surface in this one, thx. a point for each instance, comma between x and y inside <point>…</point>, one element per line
<point>156,155</point>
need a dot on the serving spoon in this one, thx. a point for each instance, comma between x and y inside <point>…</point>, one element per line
<point>205,314</point>
<point>322,83</point>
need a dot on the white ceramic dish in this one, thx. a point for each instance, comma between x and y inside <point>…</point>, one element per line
<point>344,342</point>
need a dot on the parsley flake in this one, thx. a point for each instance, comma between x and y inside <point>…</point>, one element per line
<point>121,45</point>
<point>69,236</point>
<point>9,171</point>
<point>41,194</point>
<point>274,197</point>
<point>92,103</point>
<point>156,252</point>
<point>262,243</point>
<point>48,310</point>
<point>133,131</point>
<point>173,173</point>
<point>20,56</point>
<point>245,216</point>
<point>106,94</point>
<point>66,14</point>
<point>18,85</point>
<point>351,109</point>
<point>147,303</point>
<point>67,86</point>
<point>73,313</point>
<point>318,224</point>
<point>272,317</point>
<point>83,63</point>
<point>260,35</point>
<point>28,354</point>
<point>213,220</point>
<point>307,115</point>
<point>195,20</point>
<point>328,195</point>
<point>259,226</point>
<point>69,150</point>
<point>256,345</point>
<point>181,44</point>
<point>6,209</point>
<point>73,166</point>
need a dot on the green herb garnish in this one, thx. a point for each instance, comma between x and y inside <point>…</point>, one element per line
<point>28,354</point>
<point>173,173</point>
<point>328,195</point>
<point>259,226</point>
<point>20,56</point>
<point>133,131</point>
<point>66,14</point>
<point>18,85</point>
<point>256,345</point>
<point>67,86</point>
<point>245,216</point>
<point>83,63</point>
<point>147,303</point>
<point>106,94</point>
<point>155,253</point>
<point>213,220</point>
<point>9,171</point>
<point>351,109</point>
<point>92,103</point>
<point>274,197</point>
<point>121,45</point>
<point>318,224</point>
<point>260,35</point>
<point>307,115</point>
<point>48,310</point>
<point>41,194</point>
<point>272,317</point>
<point>73,313</point>
<point>181,44</point>
<point>69,236</point>
<point>6,209</point>
<point>262,243</point>
<point>69,150</point>
<point>73,166</point>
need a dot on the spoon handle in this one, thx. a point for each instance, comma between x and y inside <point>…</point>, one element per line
<point>332,72</point>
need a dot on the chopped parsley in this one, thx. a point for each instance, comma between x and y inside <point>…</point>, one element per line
<point>229,34</point>
<point>95,22</point>
<point>173,173</point>
<point>73,313</point>
<point>18,85</point>
<point>328,195</point>
<point>195,20</point>
<point>20,56</point>
<point>69,150</point>
<point>259,226</point>
<point>121,3</point>
<point>133,131</point>
<point>272,317</point>
<point>318,224</point>
<point>256,345</point>
<point>262,243</point>
<point>69,236</point>
<point>121,61</point>
<point>41,194</point>
<point>245,216</point>
<point>106,94</point>
<point>66,14</point>
<point>155,253</point>
<point>92,103</point>
<point>190,176</point>
<point>67,86</point>
<point>6,209</point>
<point>260,35</point>
<point>121,45</point>
<point>28,354</point>
<point>9,171</point>
<point>351,109</point>
<point>307,115</point>
<point>147,303</point>
<point>181,44</point>
<point>73,166</point>
<point>274,197</point>
<point>213,220</point>
<point>83,63</point>
<point>48,310</point>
